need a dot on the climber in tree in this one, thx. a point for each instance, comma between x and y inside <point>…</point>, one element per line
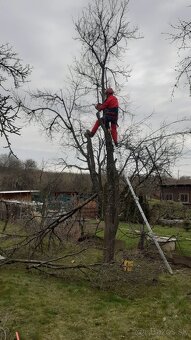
<point>110,115</point>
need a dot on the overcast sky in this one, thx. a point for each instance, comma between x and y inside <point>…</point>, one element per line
<point>42,33</point>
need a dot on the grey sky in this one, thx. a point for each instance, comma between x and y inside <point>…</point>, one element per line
<point>42,32</point>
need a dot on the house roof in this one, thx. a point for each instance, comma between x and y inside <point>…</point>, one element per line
<point>176,182</point>
<point>176,185</point>
<point>23,202</point>
<point>19,191</point>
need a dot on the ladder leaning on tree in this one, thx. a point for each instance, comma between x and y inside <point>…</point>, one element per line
<point>151,234</point>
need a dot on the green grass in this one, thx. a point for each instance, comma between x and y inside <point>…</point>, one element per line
<point>183,238</point>
<point>41,307</point>
<point>127,233</point>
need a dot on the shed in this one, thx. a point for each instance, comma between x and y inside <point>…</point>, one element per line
<point>178,192</point>
<point>20,195</point>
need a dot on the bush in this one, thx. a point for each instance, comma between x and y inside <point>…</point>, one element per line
<point>187,225</point>
<point>168,210</point>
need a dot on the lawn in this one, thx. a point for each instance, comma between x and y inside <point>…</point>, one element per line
<point>128,234</point>
<point>41,306</point>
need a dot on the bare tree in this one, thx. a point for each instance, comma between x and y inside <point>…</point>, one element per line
<point>103,31</point>
<point>181,36</point>
<point>11,70</point>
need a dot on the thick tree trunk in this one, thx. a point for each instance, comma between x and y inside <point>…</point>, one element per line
<point>96,186</point>
<point>111,202</point>
<point>111,194</point>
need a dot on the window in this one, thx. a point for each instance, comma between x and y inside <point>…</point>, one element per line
<point>169,197</point>
<point>184,198</point>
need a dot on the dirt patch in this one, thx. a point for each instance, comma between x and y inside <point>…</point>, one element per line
<point>184,261</point>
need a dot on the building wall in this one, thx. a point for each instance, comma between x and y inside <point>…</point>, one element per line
<point>90,210</point>
<point>177,193</point>
<point>69,200</point>
<point>19,196</point>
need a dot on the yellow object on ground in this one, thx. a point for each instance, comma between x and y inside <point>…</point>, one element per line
<point>127,265</point>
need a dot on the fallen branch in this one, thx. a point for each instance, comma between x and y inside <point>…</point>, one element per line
<point>40,235</point>
<point>49,264</point>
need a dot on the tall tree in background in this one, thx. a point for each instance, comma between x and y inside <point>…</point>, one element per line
<point>181,36</point>
<point>103,31</point>
<point>11,71</point>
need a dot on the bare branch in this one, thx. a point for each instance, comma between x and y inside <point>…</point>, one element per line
<point>11,66</point>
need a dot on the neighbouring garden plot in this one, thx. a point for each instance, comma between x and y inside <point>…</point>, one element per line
<point>71,247</point>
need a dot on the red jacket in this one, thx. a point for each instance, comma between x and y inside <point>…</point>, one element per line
<point>110,103</point>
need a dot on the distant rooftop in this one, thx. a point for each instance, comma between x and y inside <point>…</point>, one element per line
<point>176,185</point>
<point>178,182</point>
<point>18,191</point>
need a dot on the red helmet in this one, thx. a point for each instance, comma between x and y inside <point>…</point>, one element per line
<point>109,90</point>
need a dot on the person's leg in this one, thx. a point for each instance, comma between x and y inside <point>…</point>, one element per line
<point>95,127</point>
<point>91,133</point>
